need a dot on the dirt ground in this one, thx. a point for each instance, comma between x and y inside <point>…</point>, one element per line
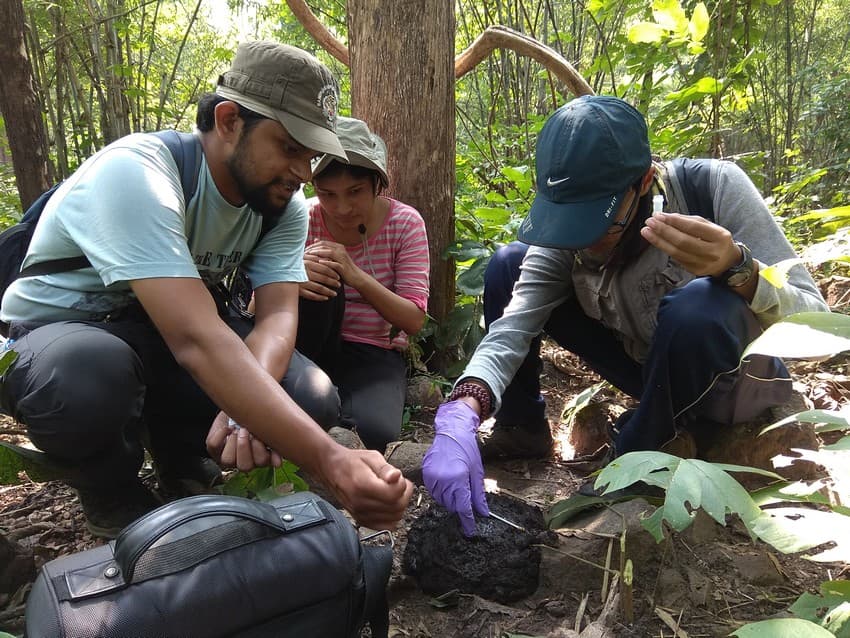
<point>716,596</point>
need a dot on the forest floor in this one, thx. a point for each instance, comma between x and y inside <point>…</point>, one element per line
<point>722,582</point>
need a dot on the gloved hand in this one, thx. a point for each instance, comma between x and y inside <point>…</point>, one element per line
<point>452,468</point>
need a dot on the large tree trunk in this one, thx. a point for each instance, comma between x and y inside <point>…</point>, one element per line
<point>402,84</point>
<point>20,106</point>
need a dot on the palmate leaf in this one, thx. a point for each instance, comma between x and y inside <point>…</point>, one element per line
<point>796,529</point>
<point>782,628</point>
<point>690,484</point>
<point>827,420</point>
<point>805,335</point>
<point>830,610</point>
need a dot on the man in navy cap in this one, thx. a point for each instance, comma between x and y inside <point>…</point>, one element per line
<point>661,303</point>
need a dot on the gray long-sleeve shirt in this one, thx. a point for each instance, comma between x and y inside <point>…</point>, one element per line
<point>625,299</point>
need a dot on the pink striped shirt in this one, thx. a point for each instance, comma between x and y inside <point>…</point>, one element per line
<point>396,256</point>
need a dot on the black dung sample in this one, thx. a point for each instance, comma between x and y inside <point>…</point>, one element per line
<point>500,562</point>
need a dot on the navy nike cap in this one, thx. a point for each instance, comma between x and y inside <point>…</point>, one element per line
<point>589,153</point>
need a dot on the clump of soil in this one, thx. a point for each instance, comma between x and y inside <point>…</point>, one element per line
<point>500,562</point>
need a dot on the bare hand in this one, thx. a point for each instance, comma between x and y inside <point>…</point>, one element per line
<point>374,492</point>
<point>233,446</point>
<point>335,253</point>
<point>700,246</point>
<point>323,275</point>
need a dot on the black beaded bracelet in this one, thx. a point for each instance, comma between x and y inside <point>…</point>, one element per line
<point>477,391</point>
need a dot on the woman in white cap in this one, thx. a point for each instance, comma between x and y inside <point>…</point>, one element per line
<point>368,267</point>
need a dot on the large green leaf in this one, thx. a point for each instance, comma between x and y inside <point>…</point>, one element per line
<point>797,529</point>
<point>782,628</point>
<point>830,610</point>
<point>826,420</point>
<point>804,335</point>
<point>690,484</point>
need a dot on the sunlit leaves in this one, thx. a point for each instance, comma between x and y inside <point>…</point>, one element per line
<point>804,335</point>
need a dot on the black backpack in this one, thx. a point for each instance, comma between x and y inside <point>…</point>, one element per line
<point>15,241</point>
<point>693,176</point>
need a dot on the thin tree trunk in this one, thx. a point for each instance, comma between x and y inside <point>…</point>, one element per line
<point>20,107</point>
<point>393,64</point>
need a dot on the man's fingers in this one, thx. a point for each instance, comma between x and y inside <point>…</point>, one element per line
<point>260,452</point>
<point>244,457</point>
<point>228,453</point>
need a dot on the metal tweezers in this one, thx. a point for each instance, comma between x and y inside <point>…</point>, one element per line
<point>507,522</point>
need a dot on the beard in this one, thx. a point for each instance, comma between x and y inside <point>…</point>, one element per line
<point>257,196</point>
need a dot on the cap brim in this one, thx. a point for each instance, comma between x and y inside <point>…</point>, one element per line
<point>313,136</point>
<point>354,159</point>
<point>569,226</point>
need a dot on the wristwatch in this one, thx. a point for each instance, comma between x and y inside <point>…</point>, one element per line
<point>741,273</point>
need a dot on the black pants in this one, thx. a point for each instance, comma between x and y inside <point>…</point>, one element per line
<point>87,391</point>
<point>372,381</point>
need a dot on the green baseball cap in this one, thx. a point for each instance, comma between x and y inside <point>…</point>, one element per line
<point>289,85</point>
<point>590,152</point>
<point>362,147</point>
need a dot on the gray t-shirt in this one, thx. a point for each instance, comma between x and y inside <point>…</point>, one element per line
<point>124,210</point>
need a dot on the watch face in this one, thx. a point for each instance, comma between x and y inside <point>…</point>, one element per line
<point>739,278</point>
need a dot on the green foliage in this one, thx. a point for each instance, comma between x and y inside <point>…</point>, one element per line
<point>782,628</point>
<point>830,609</point>
<point>689,484</point>
<point>804,335</point>
<point>14,460</point>
<point>266,483</point>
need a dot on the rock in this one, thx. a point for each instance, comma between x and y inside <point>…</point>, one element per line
<point>589,429</point>
<point>424,391</point>
<point>407,456</point>
<point>741,444</point>
<point>17,565</point>
<point>571,567</point>
<point>347,438</point>
<point>758,568</point>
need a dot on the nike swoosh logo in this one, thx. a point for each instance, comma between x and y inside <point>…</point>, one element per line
<point>555,182</point>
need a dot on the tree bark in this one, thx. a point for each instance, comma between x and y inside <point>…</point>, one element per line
<point>402,84</point>
<point>20,107</point>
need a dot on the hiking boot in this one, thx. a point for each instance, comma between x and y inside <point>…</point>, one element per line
<point>506,441</point>
<point>188,476</point>
<point>108,511</point>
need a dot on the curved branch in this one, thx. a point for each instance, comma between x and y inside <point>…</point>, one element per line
<point>327,40</point>
<point>499,37</point>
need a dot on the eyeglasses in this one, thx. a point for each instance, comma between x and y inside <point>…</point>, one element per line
<point>618,227</point>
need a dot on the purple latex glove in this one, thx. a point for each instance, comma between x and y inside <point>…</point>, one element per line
<point>452,468</point>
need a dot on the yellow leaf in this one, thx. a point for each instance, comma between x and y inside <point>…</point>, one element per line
<point>645,33</point>
<point>698,26</point>
<point>670,15</point>
<point>777,274</point>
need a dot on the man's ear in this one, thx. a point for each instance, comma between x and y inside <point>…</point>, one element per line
<point>228,124</point>
<point>646,181</point>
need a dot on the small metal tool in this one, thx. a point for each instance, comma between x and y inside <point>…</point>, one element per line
<point>507,522</point>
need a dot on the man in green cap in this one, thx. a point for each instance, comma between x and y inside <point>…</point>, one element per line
<point>133,347</point>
